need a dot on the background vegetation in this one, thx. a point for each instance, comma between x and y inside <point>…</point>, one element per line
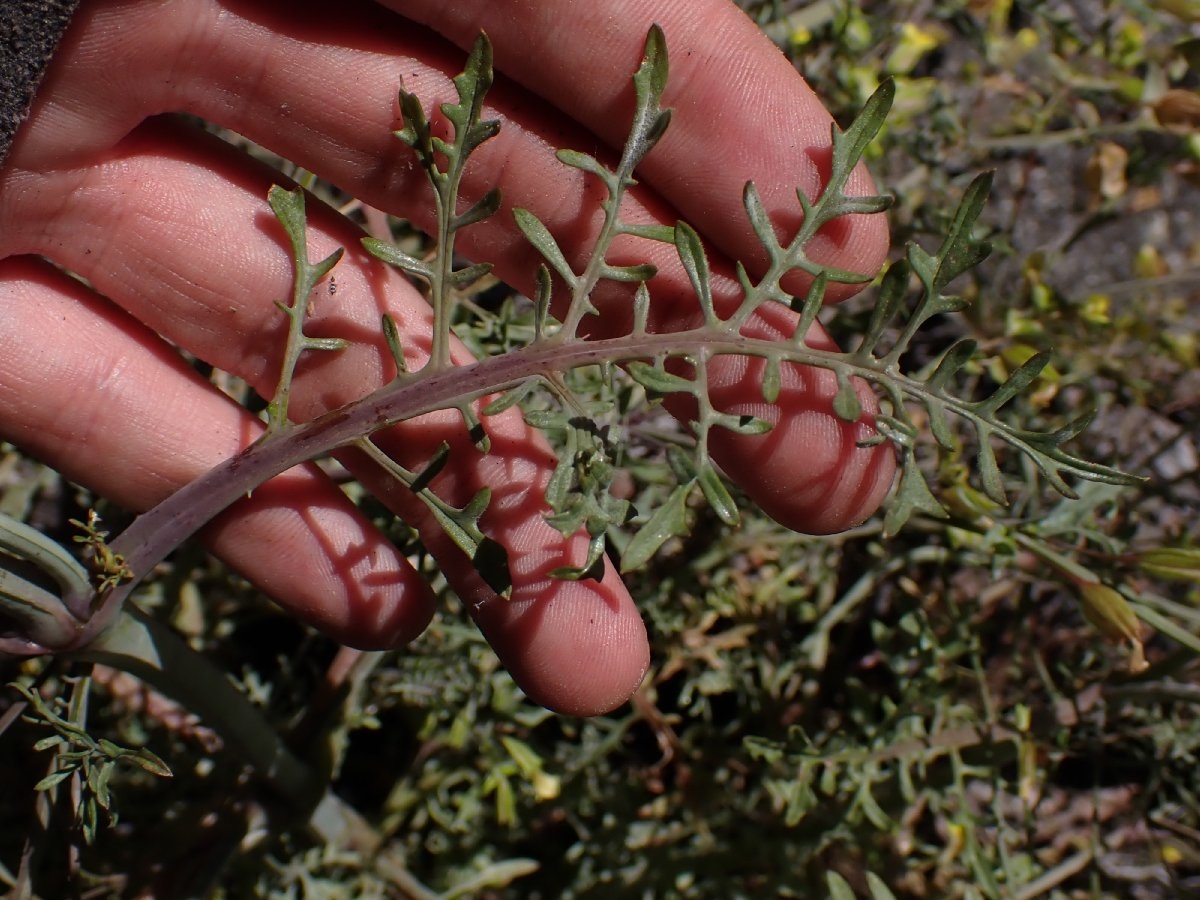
<point>932,707</point>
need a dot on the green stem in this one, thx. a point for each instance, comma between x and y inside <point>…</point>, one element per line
<point>447,189</point>
<point>1072,570</point>
<point>289,210</point>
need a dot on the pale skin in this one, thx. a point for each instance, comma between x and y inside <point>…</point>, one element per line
<point>170,228</point>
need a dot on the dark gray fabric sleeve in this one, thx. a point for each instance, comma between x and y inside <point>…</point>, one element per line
<point>29,32</point>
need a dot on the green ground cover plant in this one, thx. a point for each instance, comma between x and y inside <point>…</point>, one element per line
<point>922,700</point>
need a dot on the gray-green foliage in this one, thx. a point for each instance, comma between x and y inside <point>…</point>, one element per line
<point>86,764</point>
<point>578,492</point>
<point>580,392</point>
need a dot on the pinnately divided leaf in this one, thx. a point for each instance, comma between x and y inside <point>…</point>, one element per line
<point>588,374</point>
<point>916,408</point>
<point>876,360</point>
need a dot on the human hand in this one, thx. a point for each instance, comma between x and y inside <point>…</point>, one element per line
<point>169,226</point>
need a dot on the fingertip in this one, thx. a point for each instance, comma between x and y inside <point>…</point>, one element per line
<point>578,648</point>
<point>813,471</point>
<point>299,541</point>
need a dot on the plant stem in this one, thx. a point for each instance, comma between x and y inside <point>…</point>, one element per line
<point>154,534</point>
